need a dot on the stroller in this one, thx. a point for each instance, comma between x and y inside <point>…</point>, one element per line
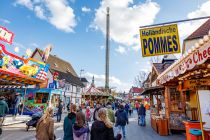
<point>35,118</point>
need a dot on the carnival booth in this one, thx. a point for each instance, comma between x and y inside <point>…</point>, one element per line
<point>92,94</point>
<point>158,121</point>
<point>40,98</point>
<point>17,73</point>
<point>187,90</point>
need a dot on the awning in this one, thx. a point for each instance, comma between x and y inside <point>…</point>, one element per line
<point>13,79</point>
<point>198,55</point>
<point>153,90</point>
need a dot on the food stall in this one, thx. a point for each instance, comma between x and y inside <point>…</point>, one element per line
<point>157,106</point>
<point>187,88</point>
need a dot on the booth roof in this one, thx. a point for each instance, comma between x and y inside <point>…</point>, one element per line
<point>152,90</point>
<point>13,79</point>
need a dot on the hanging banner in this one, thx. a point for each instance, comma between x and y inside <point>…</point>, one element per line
<point>160,40</point>
<point>197,57</point>
<point>6,35</point>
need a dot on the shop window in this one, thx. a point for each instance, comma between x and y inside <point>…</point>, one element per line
<point>175,99</point>
<point>41,97</point>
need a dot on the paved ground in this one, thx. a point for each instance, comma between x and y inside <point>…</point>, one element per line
<point>134,132</point>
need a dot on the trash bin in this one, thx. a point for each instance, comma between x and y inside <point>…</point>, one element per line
<point>191,124</point>
<point>195,134</point>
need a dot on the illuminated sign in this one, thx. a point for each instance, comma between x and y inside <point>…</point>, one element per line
<point>6,35</point>
<point>160,40</point>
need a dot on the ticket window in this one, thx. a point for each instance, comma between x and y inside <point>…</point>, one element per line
<point>41,97</point>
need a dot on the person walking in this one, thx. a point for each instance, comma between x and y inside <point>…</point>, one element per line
<point>122,119</point>
<point>111,115</point>
<point>3,111</point>
<point>16,103</point>
<point>69,121</point>
<point>127,107</point>
<point>80,129</point>
<point>137,105</point>
<point>88,114</point>
<point>45,126</point>
<point>59,111</point>
<point>142,114</point>
<point>113,106</point>
<point>102,129</point>
<point>95,113</point>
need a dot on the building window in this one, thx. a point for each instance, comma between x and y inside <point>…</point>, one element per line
<point>78,89</point>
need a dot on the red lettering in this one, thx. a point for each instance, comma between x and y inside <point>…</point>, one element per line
<point>200,56</point>
<point>194,59</point>
<point>209,51</point>
<point>204,54</point>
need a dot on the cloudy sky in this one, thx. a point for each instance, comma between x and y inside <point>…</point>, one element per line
<point>76,28</point>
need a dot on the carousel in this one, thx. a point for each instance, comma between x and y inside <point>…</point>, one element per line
<point>93,95</point>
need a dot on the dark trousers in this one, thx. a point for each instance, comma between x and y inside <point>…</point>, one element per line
<point>59,117</point>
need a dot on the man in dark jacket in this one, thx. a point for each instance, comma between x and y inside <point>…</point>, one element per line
<point>59,112</point>
<point>142,114</point>
<point>122,119</point>
<point>3,110</point>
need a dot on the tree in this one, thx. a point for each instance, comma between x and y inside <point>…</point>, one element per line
<point>140,78</point>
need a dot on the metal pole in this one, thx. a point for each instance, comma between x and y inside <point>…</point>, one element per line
<point>107,50</point>
<point>199,111</point>
<point>185,20</point>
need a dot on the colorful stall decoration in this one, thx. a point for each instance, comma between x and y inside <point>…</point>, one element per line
<point>15,70</point>
<point>39,99</point>
<point>196,56</point>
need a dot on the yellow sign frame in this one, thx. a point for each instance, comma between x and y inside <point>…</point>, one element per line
<point>160,40</point>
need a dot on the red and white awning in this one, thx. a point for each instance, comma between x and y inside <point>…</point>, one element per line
<point>196,56</point>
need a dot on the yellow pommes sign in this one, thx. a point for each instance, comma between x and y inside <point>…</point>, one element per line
<point>160,40</point>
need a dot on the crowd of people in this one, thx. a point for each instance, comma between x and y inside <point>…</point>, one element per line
<point>108,122</point>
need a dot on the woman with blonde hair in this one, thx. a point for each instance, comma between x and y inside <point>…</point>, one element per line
<point>102,129</point>
<point>45,126</point>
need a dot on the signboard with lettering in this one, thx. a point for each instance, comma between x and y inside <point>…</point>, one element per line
<point>6,35</point>
<point>191,84</point>
<point>160,40</point>
<point>197,57</point>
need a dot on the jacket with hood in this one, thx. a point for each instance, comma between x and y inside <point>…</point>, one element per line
<point>99,131</point>
<point>3,108</point>
<point>122,117</point>
<point>80,133</point>
<point>69,121</point>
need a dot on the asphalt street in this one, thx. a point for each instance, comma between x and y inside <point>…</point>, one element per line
<point>133,132</point>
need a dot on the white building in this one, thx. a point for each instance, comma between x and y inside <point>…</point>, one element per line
<point>67,79</point>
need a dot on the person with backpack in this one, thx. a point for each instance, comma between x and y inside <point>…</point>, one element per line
<point>142,114</point>
<point>69,121</point>
<point>122,119</point>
